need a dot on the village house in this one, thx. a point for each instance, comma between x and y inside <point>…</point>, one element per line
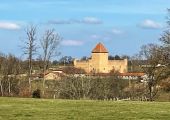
<point>53,75</point>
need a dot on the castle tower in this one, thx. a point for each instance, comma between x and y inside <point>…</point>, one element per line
<point>99,62</point>
<point>99,59</point>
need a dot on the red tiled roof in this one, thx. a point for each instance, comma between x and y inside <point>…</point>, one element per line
<point>132,74</point>
<point>99,49</point>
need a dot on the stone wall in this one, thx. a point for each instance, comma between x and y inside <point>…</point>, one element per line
<point>82,64</point>
<point>118,65</point>
<point>104,66</point>
<point>100,62</point>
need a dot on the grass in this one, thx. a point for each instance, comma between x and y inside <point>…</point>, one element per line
<point>45,109</point>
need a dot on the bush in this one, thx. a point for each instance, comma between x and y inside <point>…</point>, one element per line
<point>36,94</point>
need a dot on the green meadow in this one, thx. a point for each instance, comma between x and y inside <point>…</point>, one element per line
<point>49,109</point>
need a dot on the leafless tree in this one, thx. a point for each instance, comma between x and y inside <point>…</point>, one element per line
<point>165,39</point>
<point>30,49</point>
<point>10,68</point>
<point>152,55</point>
<point>165,47</point>
<point>49,44</point>
<point>2,58</point>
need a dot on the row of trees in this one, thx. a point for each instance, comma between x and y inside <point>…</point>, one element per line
<point>44,48</point>
<point>100,88</point>
<point>9,69</point>
<point>48,43</point>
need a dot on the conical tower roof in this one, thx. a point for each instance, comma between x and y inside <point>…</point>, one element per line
<point>99,49</point>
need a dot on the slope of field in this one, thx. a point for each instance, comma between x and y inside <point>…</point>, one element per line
<point>45,109</point>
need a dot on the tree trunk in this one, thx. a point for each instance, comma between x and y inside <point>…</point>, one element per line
<point>2,92</point>
<point>9,87</point>
<point>43,89</point>
<point>30,73</point>
<point>44,70</point>
<point>150,93</point>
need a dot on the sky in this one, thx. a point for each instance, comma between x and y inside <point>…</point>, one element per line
<point>122,26</point>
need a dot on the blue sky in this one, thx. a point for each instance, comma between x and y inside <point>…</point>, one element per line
<point>122,26</point>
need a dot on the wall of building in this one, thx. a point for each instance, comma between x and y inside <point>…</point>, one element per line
<point>118,65</point>
<point>85,64</point>
<point>100,62</point>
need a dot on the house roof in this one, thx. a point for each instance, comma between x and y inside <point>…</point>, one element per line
<point>132,74</point>
<point>99,49</point>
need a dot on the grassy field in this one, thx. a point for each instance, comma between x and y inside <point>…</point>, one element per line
<point>44,109</point>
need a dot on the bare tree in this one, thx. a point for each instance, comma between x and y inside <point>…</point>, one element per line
<point>165,39</point>
<point>30,49</point>
<point>165,47</point>
<point>2,58</point>
<point>152,55</point>
<point>49,44</point>
<point>9,69</point>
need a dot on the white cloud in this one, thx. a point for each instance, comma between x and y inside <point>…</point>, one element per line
<point>60,22</point>
<point>91,20</point>
<point>150,24</point>
<point>72,43</point>
<point>116,31</point>
<point>95,36</point>
<point>9,25</point>
<point>101,37</point>
<point>86,20</point>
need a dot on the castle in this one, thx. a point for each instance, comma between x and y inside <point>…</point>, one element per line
<point>99,63</point>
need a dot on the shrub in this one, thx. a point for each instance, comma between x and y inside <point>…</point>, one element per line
<point>36,94</point>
